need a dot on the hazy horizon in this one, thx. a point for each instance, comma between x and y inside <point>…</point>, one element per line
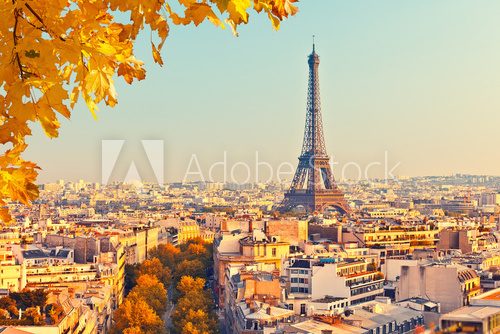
<point>273,181</point>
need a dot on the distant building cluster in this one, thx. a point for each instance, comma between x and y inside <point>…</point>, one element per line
<point>413,255</point>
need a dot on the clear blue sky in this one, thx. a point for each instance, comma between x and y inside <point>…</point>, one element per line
<point>419,79</point>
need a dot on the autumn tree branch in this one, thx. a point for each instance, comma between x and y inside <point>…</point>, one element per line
<point>14,33</point>
<point>39,18</point>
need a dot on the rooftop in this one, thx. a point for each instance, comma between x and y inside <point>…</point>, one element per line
<point>34,254</point>
<point>329,299</point>
<point>301,264</point>
<point>493,296</point>
<point>472,313</point>
<point>314,326</point>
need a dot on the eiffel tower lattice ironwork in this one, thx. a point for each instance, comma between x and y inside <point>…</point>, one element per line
<point>313,185</point>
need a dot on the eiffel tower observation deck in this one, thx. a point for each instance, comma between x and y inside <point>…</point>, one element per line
<point>313,186</point>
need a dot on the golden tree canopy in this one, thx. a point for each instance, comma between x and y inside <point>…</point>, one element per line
<point>135,316</point>
<point>190,284</point>
<point>154,267</point>
<point>152,291</point>
<point>54,52</point>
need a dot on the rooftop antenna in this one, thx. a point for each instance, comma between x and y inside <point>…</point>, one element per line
<point>313,43</point>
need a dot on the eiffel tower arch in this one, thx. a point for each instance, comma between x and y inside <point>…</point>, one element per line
<point>313,186</point>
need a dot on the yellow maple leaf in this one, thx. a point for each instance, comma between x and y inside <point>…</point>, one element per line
<point>156,55</point>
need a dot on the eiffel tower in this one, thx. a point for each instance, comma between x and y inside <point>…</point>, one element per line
<point>313,185</point>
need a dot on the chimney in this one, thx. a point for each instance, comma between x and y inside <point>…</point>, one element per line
<point>250,226</point>
<point>268,311</point>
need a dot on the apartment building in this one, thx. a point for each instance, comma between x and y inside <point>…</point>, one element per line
<point>465,240</point>
<point>481,316</point>
<point>309,280</point>
<point>244,248</point>
<point>253,301</point>
<point>12,277</point>
<point>451,285</point>
<point>189,229</point>
<point>419,236</point>
<point>43,267</point>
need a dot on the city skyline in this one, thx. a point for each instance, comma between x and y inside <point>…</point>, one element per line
<point>420,85</point>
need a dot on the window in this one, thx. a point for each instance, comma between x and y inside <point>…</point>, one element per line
<point>293,289</point>
<point>295,280</point>
<point>274,251</point>
<point>290,306</point>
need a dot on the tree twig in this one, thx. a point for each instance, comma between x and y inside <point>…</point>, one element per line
<point>39,18</point>
<point>14,33</point>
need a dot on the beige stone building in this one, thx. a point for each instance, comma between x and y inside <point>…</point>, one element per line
<point>421,236</point>
<point>481,316</point>
<point>464,240</point>
<point>11,273</point>
<point>252,299</point>
<point>189,229</point>
<point>242,249</point>
<point>292,231</point>
<point>451,285</point>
